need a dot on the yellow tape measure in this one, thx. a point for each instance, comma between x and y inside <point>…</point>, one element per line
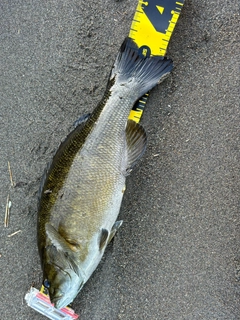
<point>151,29</point>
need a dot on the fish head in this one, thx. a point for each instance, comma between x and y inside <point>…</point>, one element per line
<point>62,277</point>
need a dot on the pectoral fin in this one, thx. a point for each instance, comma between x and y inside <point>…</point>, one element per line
<point>103,238</point>
<point>136,143</point>
<point>115,228</point>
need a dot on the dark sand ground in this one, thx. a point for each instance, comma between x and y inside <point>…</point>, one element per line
<point>177,254</point>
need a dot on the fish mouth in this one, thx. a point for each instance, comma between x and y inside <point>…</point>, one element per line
<point>59,302</point>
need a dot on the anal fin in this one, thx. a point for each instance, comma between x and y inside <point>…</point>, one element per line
<point>136,143</point>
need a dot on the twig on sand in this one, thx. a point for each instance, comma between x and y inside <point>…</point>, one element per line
<point>13,234</point>
<point>7,212</point>
<point>10,174</point>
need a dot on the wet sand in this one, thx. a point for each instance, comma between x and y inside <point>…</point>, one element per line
<point>177,254</point>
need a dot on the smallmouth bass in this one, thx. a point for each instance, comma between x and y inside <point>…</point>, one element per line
<point>81,192</point>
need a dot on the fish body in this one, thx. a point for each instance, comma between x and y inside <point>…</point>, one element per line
<point>82,189</point>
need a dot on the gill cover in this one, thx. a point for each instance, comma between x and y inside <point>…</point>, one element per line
<point>60,270</point>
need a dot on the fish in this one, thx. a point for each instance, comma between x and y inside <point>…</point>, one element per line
<point>82,189</point>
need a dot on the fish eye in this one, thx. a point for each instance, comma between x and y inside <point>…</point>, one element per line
<point>46,283</point>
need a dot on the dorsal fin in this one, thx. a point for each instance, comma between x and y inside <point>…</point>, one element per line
<point>103,238</point>
<point>136,143</point>
<point>81,120</point>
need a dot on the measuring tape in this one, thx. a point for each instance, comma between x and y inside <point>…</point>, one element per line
<point>151,30</point>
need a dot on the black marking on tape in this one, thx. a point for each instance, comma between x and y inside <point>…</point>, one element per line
<point>144,52</point>
<point>160,21</point>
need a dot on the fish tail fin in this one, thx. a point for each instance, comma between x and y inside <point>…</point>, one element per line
<point>139,73</point>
